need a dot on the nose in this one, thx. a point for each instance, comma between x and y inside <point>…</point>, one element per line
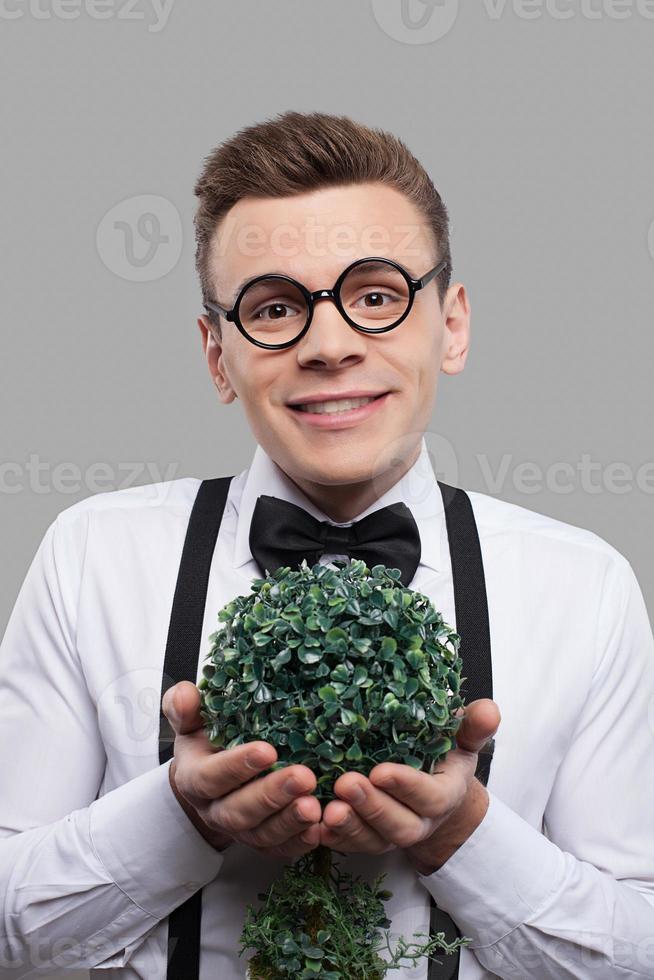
<point>330,339</point>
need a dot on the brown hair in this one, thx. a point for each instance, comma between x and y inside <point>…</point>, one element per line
<point>297,152</point>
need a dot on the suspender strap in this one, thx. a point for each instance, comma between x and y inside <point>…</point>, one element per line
<point>183,650</point>
<point>471,611</point>
<point>181,664</point>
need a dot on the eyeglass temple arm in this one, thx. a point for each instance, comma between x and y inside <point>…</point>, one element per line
<point>216,308</point>
<point>427,278</point>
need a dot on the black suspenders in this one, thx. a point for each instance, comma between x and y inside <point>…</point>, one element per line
<point>181,664</point>
<point>471,614</point>
<point>183,652</point>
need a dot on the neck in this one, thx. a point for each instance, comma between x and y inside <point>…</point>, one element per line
<point>344,501</point>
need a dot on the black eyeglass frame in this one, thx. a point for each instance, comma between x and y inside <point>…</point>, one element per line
<point>333,294</point>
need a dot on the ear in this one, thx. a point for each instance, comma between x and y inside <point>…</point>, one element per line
<point>456,336</point>
<point>213,351</point>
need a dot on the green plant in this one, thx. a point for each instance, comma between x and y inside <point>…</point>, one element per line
<point>340,669</point>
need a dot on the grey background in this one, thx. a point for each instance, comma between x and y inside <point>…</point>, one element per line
<point>538,133</point>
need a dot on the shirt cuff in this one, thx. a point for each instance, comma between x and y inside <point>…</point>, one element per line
<point>148,845</point>
<point>499,876</point>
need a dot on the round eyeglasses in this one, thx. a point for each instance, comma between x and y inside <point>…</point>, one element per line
<point>373,295</point>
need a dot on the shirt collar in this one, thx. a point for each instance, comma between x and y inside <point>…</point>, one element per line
<point>418,489</point>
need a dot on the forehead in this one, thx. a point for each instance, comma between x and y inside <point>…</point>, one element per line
<point>313,236</point>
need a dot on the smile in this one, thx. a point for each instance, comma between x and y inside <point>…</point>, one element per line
<point>343,413</point>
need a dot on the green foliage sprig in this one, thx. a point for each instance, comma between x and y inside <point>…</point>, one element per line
<point>328,927</point>
<point>338,668</point>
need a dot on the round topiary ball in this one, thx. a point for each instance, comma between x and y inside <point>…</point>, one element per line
<point>340,668</point>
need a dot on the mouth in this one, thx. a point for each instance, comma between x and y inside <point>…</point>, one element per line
<point>339,418</point>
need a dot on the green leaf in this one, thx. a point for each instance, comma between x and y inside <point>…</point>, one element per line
<point>262,694</point>
<point>328,751</point>
<point>391,617</point>
<point>340,674</point>
<point>336,634</point>
<point>327,693</point>
<point>313,952</point>
<point>309,656</point>
<point>281,659</point>
<point>411,687</point>
<point>297,741</point>
<point>387,648</point>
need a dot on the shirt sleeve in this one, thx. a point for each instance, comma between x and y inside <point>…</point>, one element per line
<point>578,900</point>
<point>83,880</point>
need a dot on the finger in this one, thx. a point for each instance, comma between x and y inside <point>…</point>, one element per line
<point>393,821</point>
<point>206,777</point>
<point>181,706</point>
<point>343,829</point>
<point>428,795</point>
<point>247,807</point>
<point>481,719</point>
<point>296,846</point>
<point>289,822</point>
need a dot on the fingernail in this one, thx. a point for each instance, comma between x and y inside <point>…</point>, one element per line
<point>292,786</point>
<point>356,794</point>
<point>388,783</point>
<point>170,711</point>
<point>255,760</point>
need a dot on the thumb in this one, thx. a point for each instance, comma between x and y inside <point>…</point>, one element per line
<point>181,706</point>
<point>481,719</point>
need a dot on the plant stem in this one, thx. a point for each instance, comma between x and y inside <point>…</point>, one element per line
<point>322,862</point>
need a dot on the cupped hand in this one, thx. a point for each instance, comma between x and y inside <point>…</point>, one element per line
<point>274,814</point>
<point>398,806</point>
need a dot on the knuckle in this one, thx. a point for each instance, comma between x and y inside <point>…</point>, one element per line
<point>355,829</point>
<point>201,784</point>
<point>268,801</point>
<point>434,810</point>
<point>232,769</point>
<point>404,838</point>
<point>229,820</point>
<point>375,813</point>
<point>260,838</point>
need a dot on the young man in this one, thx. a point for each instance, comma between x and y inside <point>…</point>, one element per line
<point>108,845</point>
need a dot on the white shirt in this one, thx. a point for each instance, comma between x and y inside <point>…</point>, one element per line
<point>556,882</point>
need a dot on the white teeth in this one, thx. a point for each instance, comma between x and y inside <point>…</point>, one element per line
<point>341,405</point>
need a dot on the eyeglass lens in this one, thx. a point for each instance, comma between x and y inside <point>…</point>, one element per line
<point>374,295</point>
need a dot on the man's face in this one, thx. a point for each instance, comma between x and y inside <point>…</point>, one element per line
<point>313,237</point>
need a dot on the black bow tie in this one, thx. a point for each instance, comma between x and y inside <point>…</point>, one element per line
<point>283,534</point>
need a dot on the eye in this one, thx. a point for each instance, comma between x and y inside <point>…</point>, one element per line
<point>377,295</point>
<point>274,311</point>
